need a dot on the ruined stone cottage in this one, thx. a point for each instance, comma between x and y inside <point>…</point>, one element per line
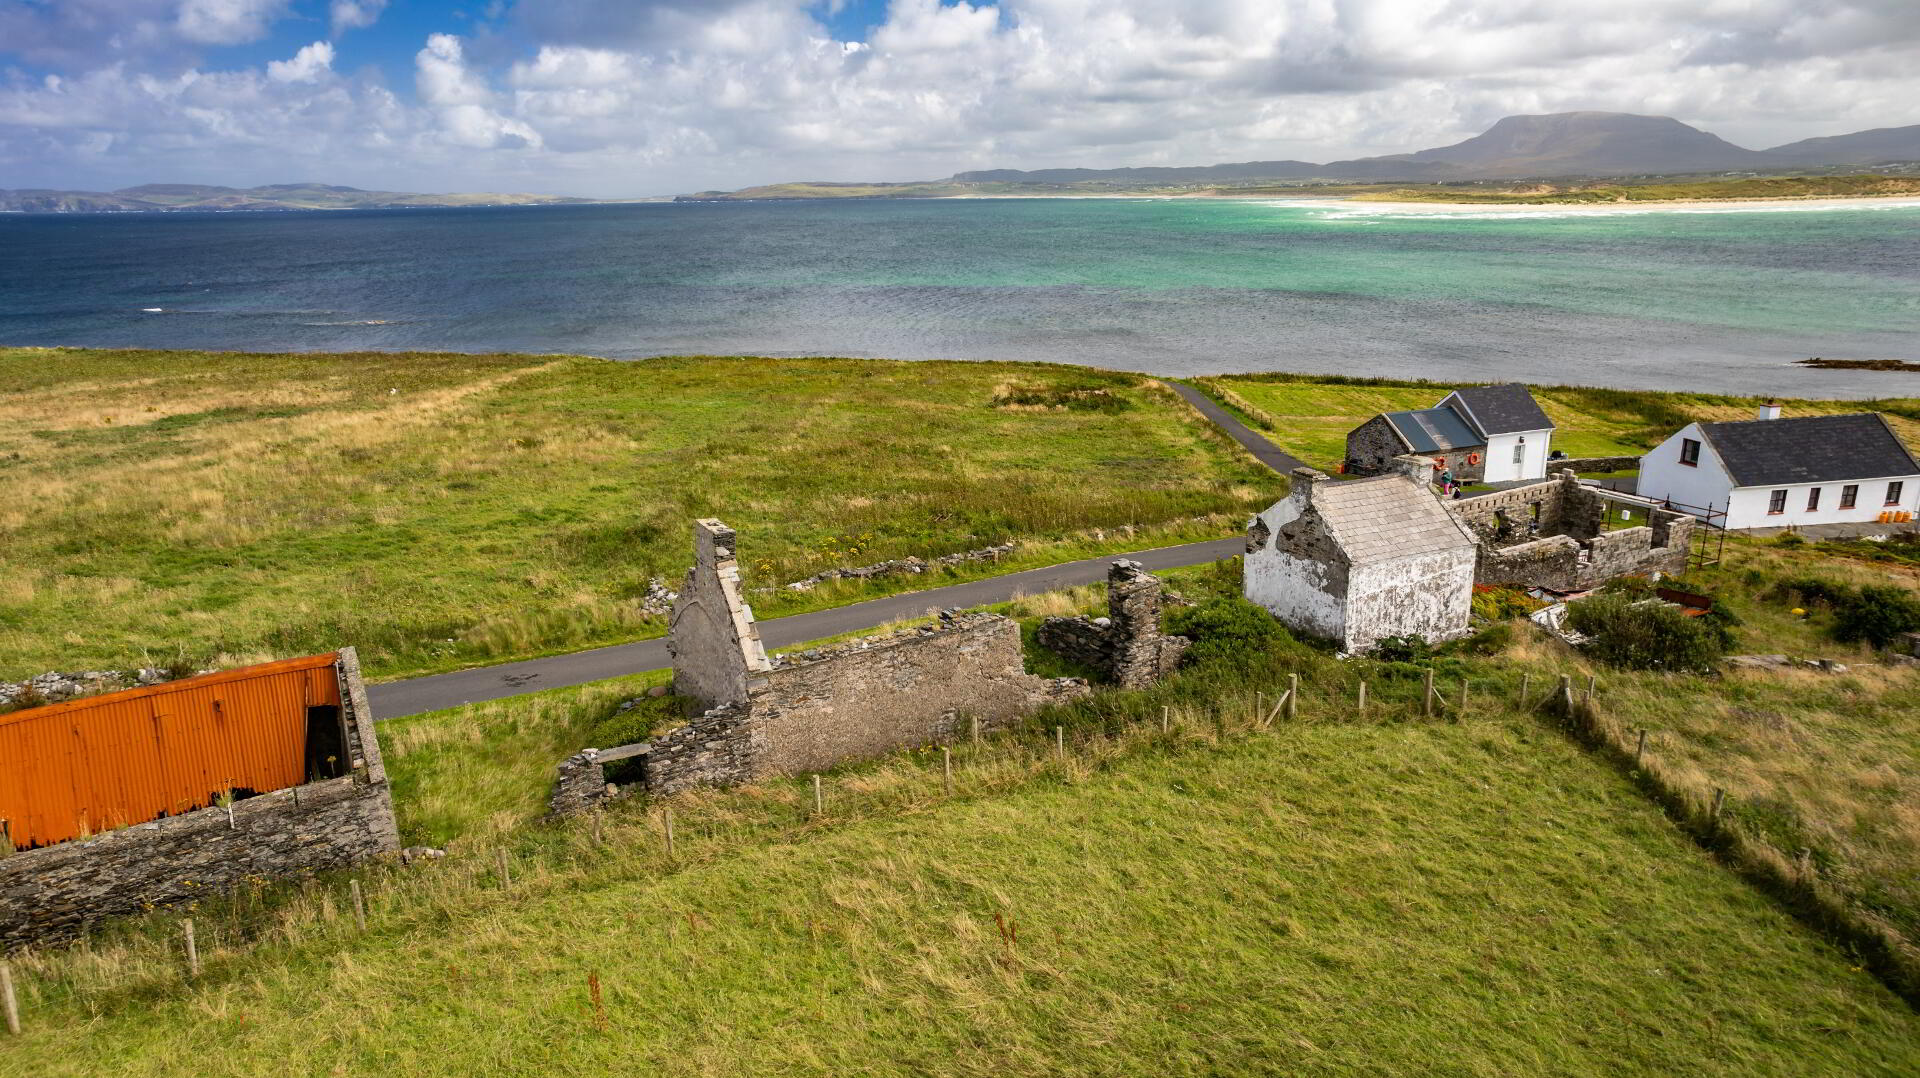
<point>1358,561</point>
<point>807,712</point>
<point>1567,536</point>
<point>115,803</point>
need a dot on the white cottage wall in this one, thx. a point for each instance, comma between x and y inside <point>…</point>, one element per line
<point>1427,595</point>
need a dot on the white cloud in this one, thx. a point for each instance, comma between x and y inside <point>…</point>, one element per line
<point>307,65</point>
<point>639,96</point>
<point>354,14</point>
<point>227,22</point>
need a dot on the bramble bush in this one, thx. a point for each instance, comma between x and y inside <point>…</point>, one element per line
<point>1641,634</point>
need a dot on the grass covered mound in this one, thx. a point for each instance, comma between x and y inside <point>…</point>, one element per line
<point>442,510</point>
<point>1310,416</point>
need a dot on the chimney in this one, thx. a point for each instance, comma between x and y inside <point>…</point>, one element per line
<point>1304,480</point>
<point>1770,410</point>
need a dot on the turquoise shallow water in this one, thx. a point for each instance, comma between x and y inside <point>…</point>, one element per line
<point>1706,300</point>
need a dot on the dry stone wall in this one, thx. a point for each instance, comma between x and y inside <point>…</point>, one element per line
<point>1552,535</point>
<point>55,892</point>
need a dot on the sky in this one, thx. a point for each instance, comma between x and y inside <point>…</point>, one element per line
<point>613,98</point>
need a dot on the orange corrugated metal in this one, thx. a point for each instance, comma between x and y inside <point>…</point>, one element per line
<point>84,766</point>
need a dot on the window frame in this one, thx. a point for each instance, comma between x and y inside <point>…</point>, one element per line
<point>1850,496</point>
<point>1776,502</point>
<point>1690,452</point>
<point>1813,499</point>
<point>1896,491</point>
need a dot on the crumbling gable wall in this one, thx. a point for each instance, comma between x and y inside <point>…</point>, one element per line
<point>810,711</point>
<point>1372,447</point>
<point>711,636</point>
<point>1127,645</point>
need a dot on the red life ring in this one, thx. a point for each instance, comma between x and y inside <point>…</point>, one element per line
<point>1473,458</point>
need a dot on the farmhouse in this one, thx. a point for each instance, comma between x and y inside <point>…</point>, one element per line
<point>1772,472</point>
<point>116,803</point>
<point>1362,560</point>
<point>1486,434</point>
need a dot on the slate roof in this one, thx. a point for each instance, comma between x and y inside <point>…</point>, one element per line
<point>1434,430</point>
<point>1387,517</point>
<point>1810,449</point>
<point>1503,409</point>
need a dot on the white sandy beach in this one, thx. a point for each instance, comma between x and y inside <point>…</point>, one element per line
<point>1355,207</point>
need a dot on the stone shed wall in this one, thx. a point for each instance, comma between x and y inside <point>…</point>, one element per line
<point>55,892</point>
<point>1550,535</point>
<point>1372,446</point>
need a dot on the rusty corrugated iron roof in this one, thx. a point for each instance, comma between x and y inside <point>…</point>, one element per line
<point>79,767</point>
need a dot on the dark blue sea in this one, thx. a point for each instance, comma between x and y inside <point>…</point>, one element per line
<point>1708,299</point>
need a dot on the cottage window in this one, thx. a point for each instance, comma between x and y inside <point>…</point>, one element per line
<point>1690,452</point>
<point>1849,495</point>
<point>1894,490</point>
<point>1813,500</point>
<point>1777,503</point>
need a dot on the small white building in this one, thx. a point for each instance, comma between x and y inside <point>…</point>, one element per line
<point>1772,472</point>
<point>1482,434</point>
<point>1361,560</point>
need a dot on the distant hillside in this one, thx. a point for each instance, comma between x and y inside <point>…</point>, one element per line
<point>1565,145</point>
<point>155,197</point>
<point>1862,147</point>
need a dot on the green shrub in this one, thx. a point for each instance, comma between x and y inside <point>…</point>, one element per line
<point>1876,614</point>
<point>1645,635</point>
<point>1491,640</point>
<point>1229,629</point>
<point>1403,649</point>
<point>1789,539</point>
<point>1500,604</point>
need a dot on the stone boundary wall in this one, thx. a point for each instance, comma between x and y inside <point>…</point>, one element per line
<point>1126,646</point>
<point>55,892</point>
<point>1595,464</point>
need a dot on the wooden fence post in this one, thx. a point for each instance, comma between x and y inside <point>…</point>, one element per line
<point>973,722</point>
<point>599,1007</point>
<point>1259,706</point>
<point>1293,697</point>
<point>1360,708</point>
<point>819,798</point>
<point>1526,687</point>
<point>1060,743</point>
<point>599,837</point>
<point>1566,693</point>
<point>1593,682</point>
<point>7,1000</point>
<point>359,905</point>
<point>1464,683</point>
<point>1719,798</point>
<point>1166,718</point>
<point>1427,704</point>
<point>946,767</point>
<point>1640,746</point>
<point>500,863</point>
<point>193,950</point>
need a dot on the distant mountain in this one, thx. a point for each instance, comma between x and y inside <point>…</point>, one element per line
<point>1880,145</point>
<point>158,197</point>
<point>1563,144</point>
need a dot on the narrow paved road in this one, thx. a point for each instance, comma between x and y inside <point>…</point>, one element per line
<point>1266,452</point>
<point>398,699</point>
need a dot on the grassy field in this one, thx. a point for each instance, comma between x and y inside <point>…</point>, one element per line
<point>1478,898</point>
<point>1311,418</point>
<point>447,510</point>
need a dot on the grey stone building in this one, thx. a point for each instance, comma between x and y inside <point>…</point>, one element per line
<point>1491,434</point>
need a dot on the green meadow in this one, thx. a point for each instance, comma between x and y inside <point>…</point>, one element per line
<point>446,510</point>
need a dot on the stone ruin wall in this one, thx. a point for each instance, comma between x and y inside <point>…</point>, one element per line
<point>1126,646</point>
<point>1550,535</point>
<point>807,712</point>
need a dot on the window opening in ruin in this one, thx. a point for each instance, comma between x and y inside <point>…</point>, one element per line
<point>326,743</point>
<point>1690,452</point>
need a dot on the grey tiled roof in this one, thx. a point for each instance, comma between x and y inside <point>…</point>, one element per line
<point>1810,449</point>
<point>1432,430</point>
<point>1387,517</point>
<point>1504,409</point>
